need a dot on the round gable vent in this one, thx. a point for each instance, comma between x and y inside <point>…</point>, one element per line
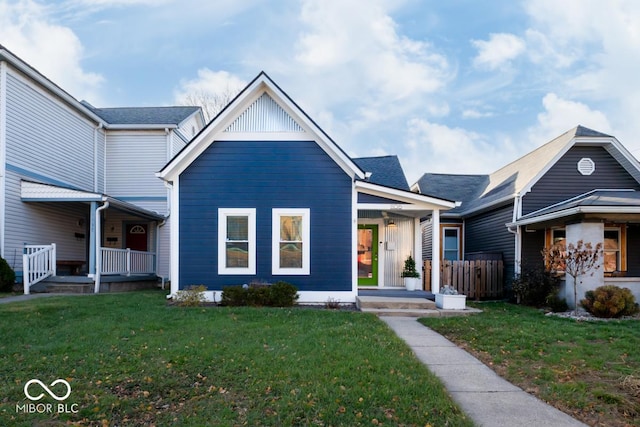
<point>586,166</point>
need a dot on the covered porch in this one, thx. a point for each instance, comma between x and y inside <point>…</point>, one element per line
<point>608,217</point>
<point>109,240</point>
<point>389,231</point>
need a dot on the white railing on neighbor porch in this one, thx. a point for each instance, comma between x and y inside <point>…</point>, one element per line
<point>126,261</point>
<point>38,263</point>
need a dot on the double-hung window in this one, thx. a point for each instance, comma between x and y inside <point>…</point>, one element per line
<point>290,241</point>
<point>612,258</point>
<point>236,241</point>
<point>451,243</point>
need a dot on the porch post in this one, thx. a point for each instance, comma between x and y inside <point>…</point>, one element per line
<point>435,251</point>
<point>92,239</point>
<point>417,246</point>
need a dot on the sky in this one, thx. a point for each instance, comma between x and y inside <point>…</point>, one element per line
<point>449,86</point>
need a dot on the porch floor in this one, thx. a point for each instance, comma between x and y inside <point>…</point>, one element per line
<point>85,285</point>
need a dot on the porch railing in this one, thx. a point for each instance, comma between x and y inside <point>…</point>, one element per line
<point>127,261</point>
<point>38,263</point>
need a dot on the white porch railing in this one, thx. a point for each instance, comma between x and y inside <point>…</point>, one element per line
<point>38,263</point>
<point>126,261</point>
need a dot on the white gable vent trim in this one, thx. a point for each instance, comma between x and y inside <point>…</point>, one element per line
<point>264,115</point>
<point>586,166</point>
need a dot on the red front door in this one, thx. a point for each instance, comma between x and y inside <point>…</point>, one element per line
<point>137,237</point>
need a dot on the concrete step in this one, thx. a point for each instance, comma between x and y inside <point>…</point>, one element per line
<point>407,312</point>
<point>69,288</point>
<point>394,303</point>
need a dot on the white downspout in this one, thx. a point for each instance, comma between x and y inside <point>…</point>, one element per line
<point>97,248</point>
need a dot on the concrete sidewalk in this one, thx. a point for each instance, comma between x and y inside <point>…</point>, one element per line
<point>485,397</point>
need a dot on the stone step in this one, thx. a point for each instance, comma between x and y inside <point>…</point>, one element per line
<point>363,302</point>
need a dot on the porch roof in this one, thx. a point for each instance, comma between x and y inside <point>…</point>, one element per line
<point>37,192</point>
<point>402,202</point>
<point>612,203</point>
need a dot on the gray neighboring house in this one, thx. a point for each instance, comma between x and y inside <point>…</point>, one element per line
<point>78,192</point>
<point>582,185</point>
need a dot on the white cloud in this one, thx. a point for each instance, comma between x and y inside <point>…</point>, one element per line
<point>54,50</point>
<point>359,53</point>
<point>212,82</point>
<point>436,148</point>
<point>498,51</point>
<point>560,115</point>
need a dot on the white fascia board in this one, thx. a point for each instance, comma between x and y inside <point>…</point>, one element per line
<point>404,196</point>
<point>31,72</point>
<point>577,210</point>
<point>140,127</point>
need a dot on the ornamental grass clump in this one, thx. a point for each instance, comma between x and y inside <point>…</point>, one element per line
<point>193,296</point>
<point>610,301</point>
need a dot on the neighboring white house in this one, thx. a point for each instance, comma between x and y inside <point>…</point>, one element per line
<point>82,178</point>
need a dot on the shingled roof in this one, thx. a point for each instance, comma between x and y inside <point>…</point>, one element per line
<point>385,170</point>
<point>144,115</point>
<point>481,191</point>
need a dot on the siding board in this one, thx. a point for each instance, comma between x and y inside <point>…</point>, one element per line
<point>487,233</point>
<point>266,175</point>
<point>563,181</point>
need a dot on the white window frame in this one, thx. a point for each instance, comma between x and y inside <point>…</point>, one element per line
<point>223,213</point>
<point>458,231</point>
<point>305,213</point>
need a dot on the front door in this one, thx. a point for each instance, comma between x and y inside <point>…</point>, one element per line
<point>367,255</point>
<point>136,238</point>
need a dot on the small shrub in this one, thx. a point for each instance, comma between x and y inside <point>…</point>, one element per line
<point>280,294</point>
<point>192,296</point>
<point>610,301</point>
<point>283,294</point>
<point>533,286</point>
<point>332,304</point>
<point>7,276</point>
<point>234,296</point>
<point>555,303</point>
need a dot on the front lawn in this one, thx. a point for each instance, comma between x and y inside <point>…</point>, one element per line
<point>590,370</point>
<point>132,360</point>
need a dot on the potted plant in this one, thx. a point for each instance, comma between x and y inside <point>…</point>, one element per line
<point>449,299</point>
<point>410,274</point>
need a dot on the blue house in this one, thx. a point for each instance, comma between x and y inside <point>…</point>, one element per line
<point>263,194</point>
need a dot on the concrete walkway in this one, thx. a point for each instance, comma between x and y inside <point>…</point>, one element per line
<point>19,298</point>
<point>485,397</point>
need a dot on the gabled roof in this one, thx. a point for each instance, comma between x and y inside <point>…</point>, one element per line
<point>462,188</point>
<point>385,170</point>
<point>144,115</point>
<point>519,176</point>
<point>261,110</point>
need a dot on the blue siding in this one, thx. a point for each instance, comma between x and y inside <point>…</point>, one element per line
<point>487,232</point>
<point>266,175</point>
<point>563,181</point>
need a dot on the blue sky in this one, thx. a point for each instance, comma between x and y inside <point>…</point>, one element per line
<point>449,86</point>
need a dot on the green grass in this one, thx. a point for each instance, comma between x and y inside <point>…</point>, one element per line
<point>590,370</point>
<point>133,360</point>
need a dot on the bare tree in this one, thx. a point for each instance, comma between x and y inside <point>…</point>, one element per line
<point>210,102</point>
<point>575,260</point>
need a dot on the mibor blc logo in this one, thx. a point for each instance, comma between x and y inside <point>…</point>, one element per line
<point>54,390</point>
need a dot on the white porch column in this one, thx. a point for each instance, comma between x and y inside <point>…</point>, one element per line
<point>435,251</point>
<point>588,232</point>
<point>417,247</point>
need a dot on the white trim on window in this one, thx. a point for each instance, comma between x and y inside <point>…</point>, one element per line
<point>302,242</point>
<point>250,241</point>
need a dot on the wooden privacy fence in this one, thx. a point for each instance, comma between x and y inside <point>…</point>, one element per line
<point>476,279</point>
